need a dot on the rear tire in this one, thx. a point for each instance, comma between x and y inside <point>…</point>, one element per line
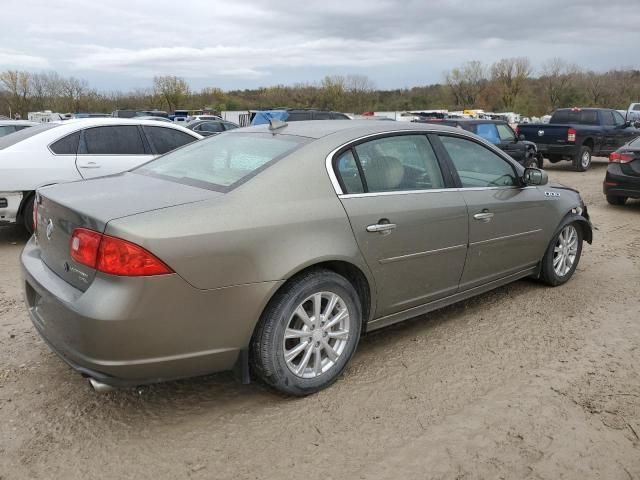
<point>616,200</point>
<point>297,348</point>
<point>582,160</point>
<point>562,256</point>
<point>27,214</point>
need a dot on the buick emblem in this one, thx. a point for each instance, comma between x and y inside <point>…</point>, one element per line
<point>540,133</point>
<point>49,229</point>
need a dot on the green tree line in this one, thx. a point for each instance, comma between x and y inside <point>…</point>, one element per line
<point>509,84</point>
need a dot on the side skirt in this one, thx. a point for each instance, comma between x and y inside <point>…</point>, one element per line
<point>451,299</point>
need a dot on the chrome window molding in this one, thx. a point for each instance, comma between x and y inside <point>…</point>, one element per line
<point>458,133</point>
<point>434,190</point>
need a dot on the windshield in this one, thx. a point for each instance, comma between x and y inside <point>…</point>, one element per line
<point>13,138</point>
<point>222,162</point>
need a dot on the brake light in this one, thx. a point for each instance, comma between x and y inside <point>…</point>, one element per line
<point>617,157</point>
<point>571,135</point>
<point>113,255</point>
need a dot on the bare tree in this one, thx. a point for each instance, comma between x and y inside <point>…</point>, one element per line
<point>558,77</point>
<point>467,82</point>
<point>510,75</point>
<point>171,89</point>
<point>359,90</point>
<point>18,87</point>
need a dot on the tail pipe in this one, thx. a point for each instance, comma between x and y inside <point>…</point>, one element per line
<point>100,387</point>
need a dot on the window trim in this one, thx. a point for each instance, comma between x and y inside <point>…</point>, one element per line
<point>449,173</point>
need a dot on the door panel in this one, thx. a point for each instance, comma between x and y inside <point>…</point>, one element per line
<point>508,231</point>
<point>107,150</point>
<point>422,258</point>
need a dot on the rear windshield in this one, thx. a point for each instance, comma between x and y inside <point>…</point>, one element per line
<point>582,117</point>
<point>222,162</point>
<point>25,133</point>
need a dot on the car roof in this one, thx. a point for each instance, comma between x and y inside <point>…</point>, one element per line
<point>60,128</point>
<point>461,120</point>
<point>5,123</point>
<point>322,128</point>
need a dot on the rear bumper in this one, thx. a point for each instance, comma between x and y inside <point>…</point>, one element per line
<point>9,206</point>
<point>547,150</point>
<point>132,331</point>
<point>617,183</point>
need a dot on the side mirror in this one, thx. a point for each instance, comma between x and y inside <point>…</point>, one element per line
<point>535,176</point>
<point>522,137</point>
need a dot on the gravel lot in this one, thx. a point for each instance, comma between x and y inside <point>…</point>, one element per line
<point>522,382</point>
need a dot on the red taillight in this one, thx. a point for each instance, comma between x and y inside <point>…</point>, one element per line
<point>113,255</point>
<point>84,246</point>
<point>617,157</point>
<point>571,135</point>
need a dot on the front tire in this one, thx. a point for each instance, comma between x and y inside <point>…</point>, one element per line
<point>616,200</point>
<point>582,160</point>
<point>562,256</point>
<point>307,334</point>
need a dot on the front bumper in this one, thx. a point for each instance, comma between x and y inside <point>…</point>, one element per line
<point>132,331</point>
<point>9,206</point>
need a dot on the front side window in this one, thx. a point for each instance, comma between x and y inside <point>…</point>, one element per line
<point>322,116</point>
<point>506,134</point>
<point>607,118</point>
<point>488,131</point>
<point>617,118</point>
<point>405,162</point>
<point>224,161</point>
<point>113,140</point>
<point>477,166</point>
<point>165,139</point>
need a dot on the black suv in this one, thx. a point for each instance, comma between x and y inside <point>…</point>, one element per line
<point>497,132</point>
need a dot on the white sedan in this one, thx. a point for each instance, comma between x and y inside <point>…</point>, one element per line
<point>60,152</point>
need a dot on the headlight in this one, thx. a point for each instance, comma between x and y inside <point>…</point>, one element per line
<point>577,210</point>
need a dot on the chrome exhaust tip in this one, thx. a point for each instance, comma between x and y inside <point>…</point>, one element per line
<point>100,387</point>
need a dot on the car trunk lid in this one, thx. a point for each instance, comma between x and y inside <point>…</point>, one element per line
<point>92,204</point>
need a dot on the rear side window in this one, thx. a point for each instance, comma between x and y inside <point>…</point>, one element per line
<point>213,127</point>
<point>322,116</point>
<point>505,132</point>
<point>348,173</point>
<point>581,117</point>
<point>636,107</point>
<point>66,145</point>
<point>224,161</point>
<point>478,166</point>
<point>607,118</point>
<point>405,162</point>
<point>340,116</point>
<point>229,125</point>
<point>114,140</point>
<point>164,139</point>
<point>298,116</point>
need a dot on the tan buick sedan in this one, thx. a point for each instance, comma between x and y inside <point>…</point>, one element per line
<point>272,249</point>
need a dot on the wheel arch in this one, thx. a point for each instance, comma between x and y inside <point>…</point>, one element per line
<point>588,142</point>
<point>585,225</point>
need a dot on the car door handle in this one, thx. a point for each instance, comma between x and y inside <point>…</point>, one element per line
<point>381,227</point>
<point>483,216</point>
<point>89,165</point>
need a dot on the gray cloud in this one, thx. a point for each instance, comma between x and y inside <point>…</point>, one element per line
<point>231,44</point>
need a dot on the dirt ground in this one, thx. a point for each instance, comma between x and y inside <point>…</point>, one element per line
<point>523,382</point>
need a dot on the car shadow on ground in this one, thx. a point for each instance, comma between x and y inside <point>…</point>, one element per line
<point>13,234</point>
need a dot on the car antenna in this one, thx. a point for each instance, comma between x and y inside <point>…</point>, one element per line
<point>275,124</point>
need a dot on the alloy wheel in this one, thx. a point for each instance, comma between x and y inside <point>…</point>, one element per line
<point>316,335</point>
<point>565,250</point>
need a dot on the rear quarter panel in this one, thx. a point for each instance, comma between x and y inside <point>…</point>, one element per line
<point>286,218</point>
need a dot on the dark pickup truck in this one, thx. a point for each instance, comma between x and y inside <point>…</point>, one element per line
<point>576,134</point>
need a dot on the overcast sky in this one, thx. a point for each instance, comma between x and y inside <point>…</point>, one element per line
<point>122,44</point>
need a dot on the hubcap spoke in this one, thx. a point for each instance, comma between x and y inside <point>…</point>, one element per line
<point>565,251</point>
<point>315,337</point>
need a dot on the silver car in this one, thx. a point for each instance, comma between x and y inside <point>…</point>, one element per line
<point>272,249</point>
